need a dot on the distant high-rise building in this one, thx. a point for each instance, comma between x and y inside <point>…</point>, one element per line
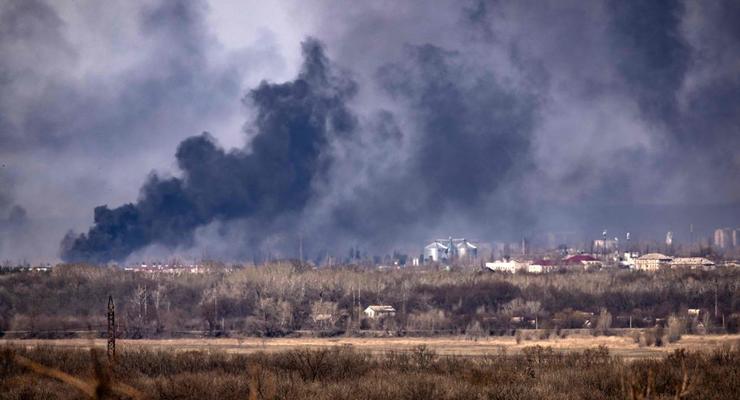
<point>604,245</point>
<point>725,238</point>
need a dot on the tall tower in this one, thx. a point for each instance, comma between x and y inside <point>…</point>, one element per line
<point>524,246</point>
<point>603,242</point>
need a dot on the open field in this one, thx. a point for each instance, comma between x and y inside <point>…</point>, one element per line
<point>358,369</point>
<point>620,346</point>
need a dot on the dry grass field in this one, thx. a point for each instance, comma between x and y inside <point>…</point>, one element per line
<point>620,346</point>
<point>379,368</point>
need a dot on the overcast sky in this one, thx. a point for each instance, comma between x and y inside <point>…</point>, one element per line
<point>373,124</point>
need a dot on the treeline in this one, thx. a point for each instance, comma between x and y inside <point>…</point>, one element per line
<point>280,299</point>
<point>342,373</point>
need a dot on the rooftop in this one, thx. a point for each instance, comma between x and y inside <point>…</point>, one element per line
<point>655,256</point>
<point>578,258</point>
<point>438,245</point>
<point>380,308</point>
<point>693,261</point>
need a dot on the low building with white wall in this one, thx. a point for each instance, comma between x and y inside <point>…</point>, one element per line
<point>510,266</point>
<point>652,262</point>
<point>692,262</point>
<point>379,311</point>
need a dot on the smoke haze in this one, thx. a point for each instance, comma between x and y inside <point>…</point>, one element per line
<point>376,126</point>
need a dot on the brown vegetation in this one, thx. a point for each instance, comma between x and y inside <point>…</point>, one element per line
<point>282,299</point>
<point>625,347</point>
<point>343,373</point>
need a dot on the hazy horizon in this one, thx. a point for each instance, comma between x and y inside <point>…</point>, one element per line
<point>241,127</point>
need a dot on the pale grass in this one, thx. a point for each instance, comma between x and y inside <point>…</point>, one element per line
<point>450,345</point>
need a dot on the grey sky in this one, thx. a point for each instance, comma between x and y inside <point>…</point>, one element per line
<point>472,117</point>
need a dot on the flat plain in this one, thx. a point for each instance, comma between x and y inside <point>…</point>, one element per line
<point>620,346</point>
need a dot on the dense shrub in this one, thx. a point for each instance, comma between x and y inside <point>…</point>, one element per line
<point>279,299</point>
<point>342,373</point>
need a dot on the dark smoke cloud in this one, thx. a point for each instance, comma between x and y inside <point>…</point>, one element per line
<point>25,24</point>
<point>294,123</point>
<point>650,52</point>
<point>487,119</point>
<point>15,228</point>
<point>469,132</point>
<point>93,96</point>
<point>46,108</point>
<point>5,196</point>
<point>11,214</point>
<point>532,117</point>
<point>663,70</point>
<point>474,127</point>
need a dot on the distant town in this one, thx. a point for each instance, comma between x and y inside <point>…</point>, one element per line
<point>721,249</point>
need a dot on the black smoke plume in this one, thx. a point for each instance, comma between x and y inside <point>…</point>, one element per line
<point>288,155</point>
<point>472,137</point>
<point>487,119</point>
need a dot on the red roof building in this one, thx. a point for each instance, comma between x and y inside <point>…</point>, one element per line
<point>580,259</point>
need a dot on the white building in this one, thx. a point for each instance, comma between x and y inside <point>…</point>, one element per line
<point>541,266</point>
<point>692,262</point>
<point>436,252</point>
<point>629,258</point>
<point>535,268</point>
<point>378,311</point>
<point>503,266</point>
<point>652,262</point>
<point>450,249</point>
<point>466,249</point>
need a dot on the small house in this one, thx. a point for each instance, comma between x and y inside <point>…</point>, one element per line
<point>379,311</point>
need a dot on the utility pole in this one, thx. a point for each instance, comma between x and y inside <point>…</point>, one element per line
<point>359,307</point>
<point>111,329</point>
